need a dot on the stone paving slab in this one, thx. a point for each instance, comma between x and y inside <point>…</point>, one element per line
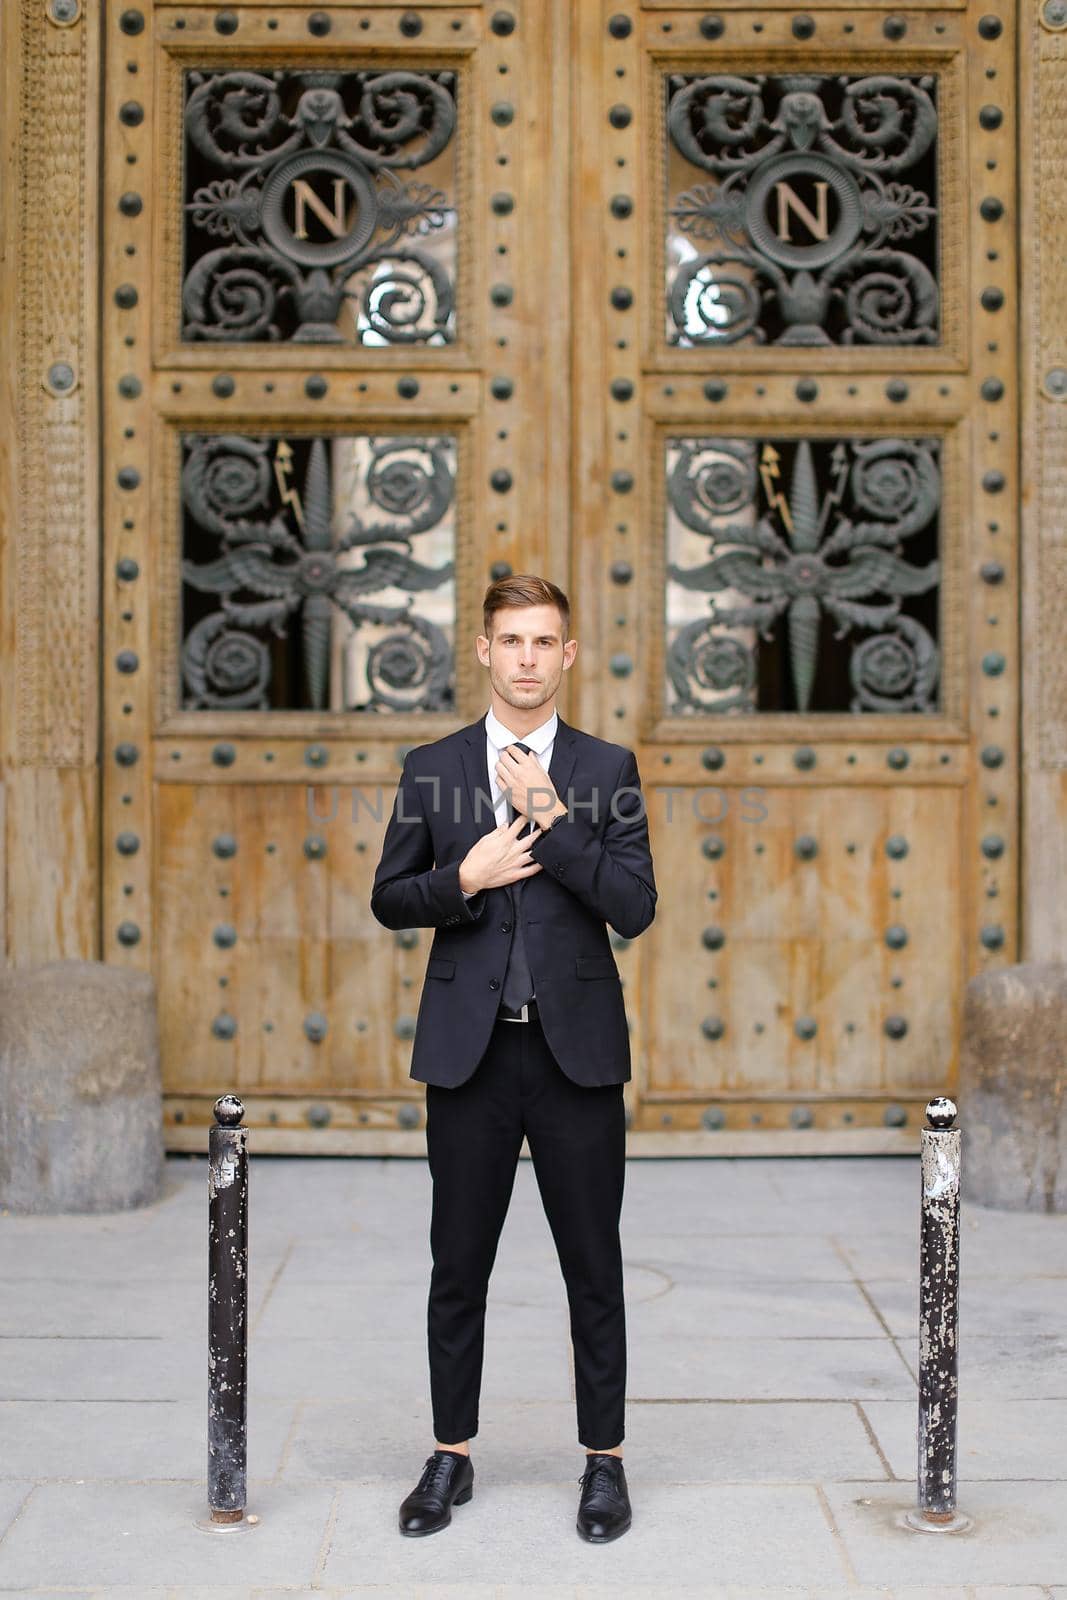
<point>767,1369</point>
<point>1020,1532</point>
<point>527,1268</point>
<point>93,1253</point>
<point>551,1591</point>
<point>993,1244</point>
<point>537,1442</point>
<point>759,1258</point>
<point>103,1369</point>
<point>123,1439</point>
<point>771,1392</point>
<point>105,1533</point>
<point>989,1307</point>
<point>996,1438</point>
<point>743,1309</point>
<point>682,1533</point>
<point>516,1368</point>
<point>148,1308</point>
<point>1005,1366</point>
<point>303,1311</point>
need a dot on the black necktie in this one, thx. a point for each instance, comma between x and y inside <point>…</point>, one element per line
<point>518,981</point>
<point>525,748</point>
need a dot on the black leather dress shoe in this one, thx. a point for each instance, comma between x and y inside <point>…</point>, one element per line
<point>604,1508</point>
<point>447,1479</point>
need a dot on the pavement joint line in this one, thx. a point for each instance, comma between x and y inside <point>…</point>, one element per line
<point>326,1542</point>
<point>275,1275</point>
<point>715,1338</point>
<point>297,1417</point>
<point>11,1523</point>
<point>913,1375</point>
<point>725,1400</point>
<point>260,1482</point>
<point>861,1286</point>
<point>840,1546</point>
<point>873,1437</point>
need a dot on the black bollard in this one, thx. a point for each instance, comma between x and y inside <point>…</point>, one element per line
<point>227,1312</point>
<point>939,1290</point>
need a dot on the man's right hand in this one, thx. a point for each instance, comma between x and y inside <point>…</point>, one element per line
<point>498,858</point>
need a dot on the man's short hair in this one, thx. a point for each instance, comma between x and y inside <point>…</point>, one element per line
<point>524,589</point>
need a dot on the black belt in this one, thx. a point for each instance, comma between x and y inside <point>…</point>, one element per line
<point>505,1013</point>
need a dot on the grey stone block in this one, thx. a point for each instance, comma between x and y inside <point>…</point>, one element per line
<point>129,1440</point>
<point>1019,1536</point>
<point>998,1439</point>
<point>990,1307</point>
<point>691,1368</point>
<point>1013,1088</point>
<point>733,1534</point>
<point>145,1534</point>
<point>81,1127</point>
<point>1005,1366</point>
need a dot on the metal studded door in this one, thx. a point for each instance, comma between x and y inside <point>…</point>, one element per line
<point>706,313</point>
<point>335,405</point>
<point>795,349</point>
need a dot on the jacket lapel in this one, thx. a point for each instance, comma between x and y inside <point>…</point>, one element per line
<point>482,820</point>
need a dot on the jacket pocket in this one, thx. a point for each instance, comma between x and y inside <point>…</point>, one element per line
<point>440,967</point>
<point>595,967</point>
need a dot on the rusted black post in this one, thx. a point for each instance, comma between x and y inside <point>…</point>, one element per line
<point>939,1290</point>
<point>227,1312</point>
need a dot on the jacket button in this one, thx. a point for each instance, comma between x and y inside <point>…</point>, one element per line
<point>494,983</point>
<point>505,927</point>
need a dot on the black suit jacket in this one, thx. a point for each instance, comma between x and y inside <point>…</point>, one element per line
<point>596,869</point>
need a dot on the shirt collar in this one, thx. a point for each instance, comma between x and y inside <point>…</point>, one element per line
<point>538,740</point>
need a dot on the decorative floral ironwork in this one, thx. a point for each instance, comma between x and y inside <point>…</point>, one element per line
<point>793,550</point>
<point>818,232</point>
<point>296,197</point>
<point>275,554</point>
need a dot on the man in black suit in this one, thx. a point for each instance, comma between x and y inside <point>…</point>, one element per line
<point>517,838</point>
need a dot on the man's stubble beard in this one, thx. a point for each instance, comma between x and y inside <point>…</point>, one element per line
<point>506,692</point>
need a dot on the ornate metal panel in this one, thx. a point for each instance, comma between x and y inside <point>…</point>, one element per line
<point>325,543</point>
<point>787,588</point>
<point>802,209</point>
<point>319,206</point>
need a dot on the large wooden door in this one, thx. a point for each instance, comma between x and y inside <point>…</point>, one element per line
<point>795,513</point>
<point>705,315</point>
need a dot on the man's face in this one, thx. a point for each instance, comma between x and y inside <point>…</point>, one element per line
<point>526,655</point>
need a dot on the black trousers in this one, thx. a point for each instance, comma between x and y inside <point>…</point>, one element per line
<point>577,1139</point>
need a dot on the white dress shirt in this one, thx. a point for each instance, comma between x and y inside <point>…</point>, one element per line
<point>540,741</point>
